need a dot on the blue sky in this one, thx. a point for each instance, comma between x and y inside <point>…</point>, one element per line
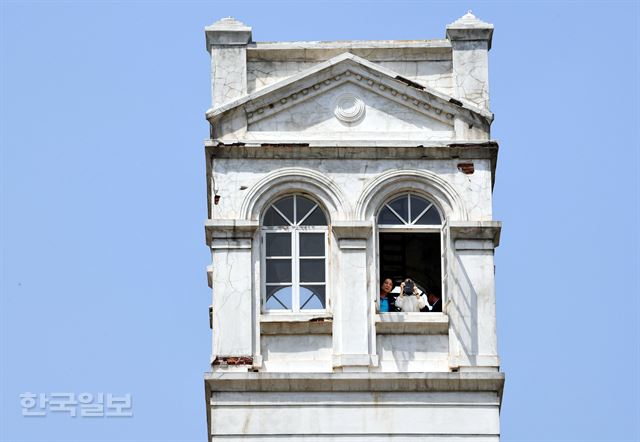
<point>103,202</point>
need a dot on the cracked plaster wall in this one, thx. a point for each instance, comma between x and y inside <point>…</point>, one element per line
<point>471,74</point>
<point>233,293</point>
<point>228,73</point>
<point>351,176</point>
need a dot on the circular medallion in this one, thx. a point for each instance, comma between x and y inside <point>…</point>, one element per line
<point>348,108</point>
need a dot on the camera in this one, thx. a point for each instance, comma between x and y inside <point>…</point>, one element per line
<point>408,287</point>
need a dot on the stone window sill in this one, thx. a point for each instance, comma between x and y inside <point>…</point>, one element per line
<point>296,324</point>
<point>412,323</point>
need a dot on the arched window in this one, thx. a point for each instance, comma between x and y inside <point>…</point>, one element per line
<point>294,235</point>
<point>410,246</point>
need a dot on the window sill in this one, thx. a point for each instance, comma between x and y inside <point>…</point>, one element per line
<point>412,323</point>
<point>296,324</point>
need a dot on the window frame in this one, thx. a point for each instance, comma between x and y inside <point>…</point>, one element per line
<point>295,231</point>
<point>411,228</point>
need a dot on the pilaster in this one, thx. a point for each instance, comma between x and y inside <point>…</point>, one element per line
<point>471,307</point>
<point>227,41</point>
<point>232,316</point>
<point>351,315</point>
<point>471,40</point>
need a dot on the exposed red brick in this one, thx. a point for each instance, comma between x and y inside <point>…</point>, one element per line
<point>466,168</point>
<point>233,360</point>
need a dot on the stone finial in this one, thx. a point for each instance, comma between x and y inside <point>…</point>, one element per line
<point>470,27</point>
<point>227,32</point>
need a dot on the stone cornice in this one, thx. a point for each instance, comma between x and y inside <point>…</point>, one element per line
<point>373,50</point>
<point>351,150</point>
<point>352,382</point>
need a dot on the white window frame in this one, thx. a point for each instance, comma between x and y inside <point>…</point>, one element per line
<point>412,228</point>
<point>295,232</point>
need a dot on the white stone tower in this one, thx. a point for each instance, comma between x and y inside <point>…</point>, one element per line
<point>332,166</point>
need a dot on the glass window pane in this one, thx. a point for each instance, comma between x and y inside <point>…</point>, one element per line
<point>278,270</point>
<point>312,270</point>
<point>401,206</point>
<point>316,218</point>
<point>311,244</point>
<point>278,298</point>
<point>430,217</point>
<point>417,206</point>
<point>273,218</point>
<point>285,205</point>
<point>312,297</point>
<point>278,244</point>
<point>388,217</point>
<point>303,206</point>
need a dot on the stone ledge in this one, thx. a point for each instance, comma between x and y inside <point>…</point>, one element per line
<point>229,229</point>
<point>300,324</point>
<point>351,381</point>
<point>412,323</point>
<point>476,230</point>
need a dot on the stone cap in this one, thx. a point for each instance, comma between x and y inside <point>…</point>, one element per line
<point>476,230</point>
<point>227,32</point>
<point>470,28</point>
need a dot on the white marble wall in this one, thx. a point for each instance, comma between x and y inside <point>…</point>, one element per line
<point>236,177</point>
<point>229,74</point>
<point>473,338</point>
<point>471,71</point>
<point>413,353</point>
<point>341,416</point>
<point>352,279</point>
<point>297,353</point>
<point>232,298</point>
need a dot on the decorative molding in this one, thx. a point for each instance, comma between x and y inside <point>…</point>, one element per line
<point>476,231</point>
<point>294,179</point>
<point>349,108</point>
<point>228,230</point>
<point>390,88</point>
<point>368,381</point>
<point>432,186</point>
<point>351,230</point>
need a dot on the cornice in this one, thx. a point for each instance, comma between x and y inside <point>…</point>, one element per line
<point>352,382</point>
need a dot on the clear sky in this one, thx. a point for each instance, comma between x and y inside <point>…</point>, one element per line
<point>103,202</point>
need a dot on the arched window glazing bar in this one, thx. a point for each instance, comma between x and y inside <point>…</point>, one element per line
<point>294,234</point>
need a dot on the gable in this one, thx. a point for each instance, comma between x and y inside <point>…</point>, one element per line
<point>316,104</point>
<point>348,110</point>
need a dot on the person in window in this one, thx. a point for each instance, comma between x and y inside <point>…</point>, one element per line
<point>434,303</point>
<point>386,301</point>
<point>410,299</point>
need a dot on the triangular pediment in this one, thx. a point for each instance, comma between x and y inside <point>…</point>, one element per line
<point>348,96</point>
<point>350,110</point>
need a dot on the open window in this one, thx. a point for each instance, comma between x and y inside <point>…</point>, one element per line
<point>410,246</point>
<point>294,259</point>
